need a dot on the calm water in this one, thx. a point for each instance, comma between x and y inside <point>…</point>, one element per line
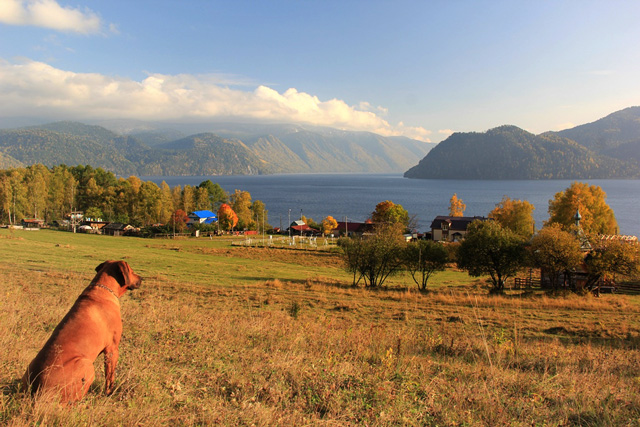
<point>355,195</point>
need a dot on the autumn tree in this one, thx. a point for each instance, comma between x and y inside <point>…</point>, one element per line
<point>516,215</point>
<point>149,198</point>
<point>36,179</point>
<point>456,206</point>
<point>328,224</point>
<point>133,205</point>
<point>393,217</point>
<point>423,258</point>
<point>166,203</point>
<point>590,201</point>
<point>241,205</point>
<point>227,218</point>
<point>609,258</point>
<point>16,199</point>
<point>179,220</point>
<point>202,199</point>
<point>188,202</point>
<point>555,252</point>
<point>490,249</point>
<point>261,215</point>
<point>122,191</point>
<point>62,192</point>
<point>5,198</point>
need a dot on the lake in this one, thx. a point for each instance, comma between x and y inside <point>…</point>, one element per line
<point>354,196</point>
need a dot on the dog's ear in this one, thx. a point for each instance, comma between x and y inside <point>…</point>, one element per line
<point>122,273</point>
<point>98,268</point>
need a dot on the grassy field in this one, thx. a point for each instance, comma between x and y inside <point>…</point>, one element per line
<point>222,334</point>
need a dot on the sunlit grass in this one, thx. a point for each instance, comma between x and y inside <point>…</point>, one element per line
<point>241,336</point>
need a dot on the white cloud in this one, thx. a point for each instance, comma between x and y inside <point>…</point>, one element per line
<point>37,89</point>
<point>447,132</point>
<point>49,14</point>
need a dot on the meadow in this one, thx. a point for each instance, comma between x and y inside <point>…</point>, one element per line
<point>232,335</point>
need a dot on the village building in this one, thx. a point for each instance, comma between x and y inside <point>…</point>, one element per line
<point>300,228</point>
<point>96,225</point>
<point>117,229</point>
<point>452,228</point>
<point>32,223</point>
<point>350,228</point>
<point>202,217</point>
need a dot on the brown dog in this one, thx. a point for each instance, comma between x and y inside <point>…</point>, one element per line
<point>92,326</point>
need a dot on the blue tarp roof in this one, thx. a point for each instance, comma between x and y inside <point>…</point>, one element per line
<point>205,214</point>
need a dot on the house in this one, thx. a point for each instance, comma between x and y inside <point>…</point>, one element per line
<point>350,228</point>
<point>32,223</point>
<point>299,227</point>
<point>116,229</point>
<point>451,228</point>
<point>96,226</point>
<point>202,217</point>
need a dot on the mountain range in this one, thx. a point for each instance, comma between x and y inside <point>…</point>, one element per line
<point>136,148</point>
<point>606,148</point>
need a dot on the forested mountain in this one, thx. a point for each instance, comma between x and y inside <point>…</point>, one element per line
<point>616,135</point>
<point>7,162</point>
<point>224,149</point>
<point>508,152</point>
<point>290,148</point>
<point>203,154</point>
<point>38,145</point>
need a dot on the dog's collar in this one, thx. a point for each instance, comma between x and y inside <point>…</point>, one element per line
<point>104,287</point>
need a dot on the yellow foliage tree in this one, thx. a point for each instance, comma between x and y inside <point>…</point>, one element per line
<point>590,201</point>
<point>328,225</point>
<point>456,206</point>
<point>516,215</point>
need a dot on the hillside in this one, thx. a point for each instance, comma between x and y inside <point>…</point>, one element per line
<point>39,145</point>
<point>614,130</point>
<point>508,152</point>
<point>7,162</point>
<point>146,149</point>
<point>203,154</point>
<point>616,135</point>
<point>290,148</point>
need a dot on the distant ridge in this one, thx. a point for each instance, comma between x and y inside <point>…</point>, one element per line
<point>616,135</point>
<point>606,148</point>
<point>508,152</point>
<point>148,149</point>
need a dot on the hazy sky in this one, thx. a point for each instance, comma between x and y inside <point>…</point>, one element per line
<point>417,68</point>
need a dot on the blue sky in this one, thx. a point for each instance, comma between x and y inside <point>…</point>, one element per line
<point>417,68</point>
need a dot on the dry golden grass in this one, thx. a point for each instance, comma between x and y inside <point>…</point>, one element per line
<point>315,351</point>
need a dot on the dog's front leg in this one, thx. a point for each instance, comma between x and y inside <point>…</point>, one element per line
<point>110,361</point>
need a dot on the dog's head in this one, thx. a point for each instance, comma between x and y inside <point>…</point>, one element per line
<point>121,272</point>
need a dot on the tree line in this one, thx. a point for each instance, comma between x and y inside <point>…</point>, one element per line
<point>51,194</point>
